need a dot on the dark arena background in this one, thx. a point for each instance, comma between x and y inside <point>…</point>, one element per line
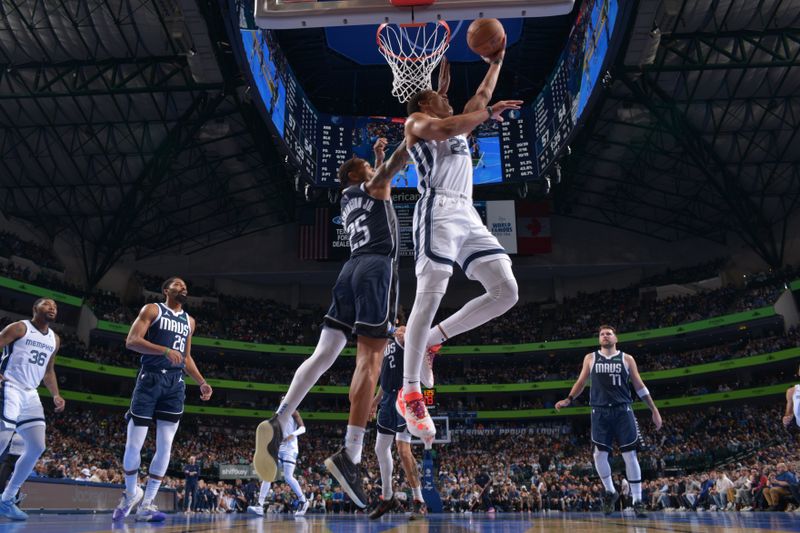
<point>650,181</point>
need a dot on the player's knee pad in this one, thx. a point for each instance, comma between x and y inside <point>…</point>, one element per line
<point>601,462</point>
<point>632,467</point>
<point>498,279</point>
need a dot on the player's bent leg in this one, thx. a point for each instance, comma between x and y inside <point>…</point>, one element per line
<point>603,467</point>
<point>131,460</point>
<point>269,433</point>
<point>34,437</point>
<point>501,295</point>
<point>634,474</point>
<point>418,508</point>
<point>165,434</point>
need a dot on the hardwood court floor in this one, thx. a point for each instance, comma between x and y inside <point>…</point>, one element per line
<point>443,523</point>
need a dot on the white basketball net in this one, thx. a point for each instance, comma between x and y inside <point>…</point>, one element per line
<point>412,51</point>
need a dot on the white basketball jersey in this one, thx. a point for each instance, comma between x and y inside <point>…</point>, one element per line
<point>25,360</point>
<point>443,164</point>
<point>290,446</point>
<point>796,400</point>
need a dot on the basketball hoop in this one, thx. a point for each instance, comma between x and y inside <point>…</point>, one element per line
<point>412,50</point>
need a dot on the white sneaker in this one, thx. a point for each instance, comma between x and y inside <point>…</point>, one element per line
<point>126,504</point>
<point>256,509</point>
<point>418,421</point>
<point>149,513</point>
<point>303,508</point>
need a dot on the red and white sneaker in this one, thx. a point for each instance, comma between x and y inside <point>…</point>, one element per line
<point>418,421</point>
<point>426,372</point>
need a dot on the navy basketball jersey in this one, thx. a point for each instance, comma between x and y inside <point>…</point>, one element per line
<point>371,224</point>
<point>610,379</point>
<point>171,330</point>
<point>392,367</point>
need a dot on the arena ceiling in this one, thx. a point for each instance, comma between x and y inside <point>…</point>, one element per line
<point>125,125</point>
<point>696,134</point>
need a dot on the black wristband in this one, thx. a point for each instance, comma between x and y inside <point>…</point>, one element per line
<point>490,110</point>
<point>570,398</point>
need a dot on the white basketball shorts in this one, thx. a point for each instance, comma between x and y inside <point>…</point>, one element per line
<point>448,231</point>
<point>20,407</point>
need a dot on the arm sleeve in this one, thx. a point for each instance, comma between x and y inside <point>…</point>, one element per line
<point>299,431</point>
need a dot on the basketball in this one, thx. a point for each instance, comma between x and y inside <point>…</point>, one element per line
<point>485,36</point>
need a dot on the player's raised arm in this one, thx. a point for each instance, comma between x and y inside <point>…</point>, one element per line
<point>379,149</point>
<point>579,385</point>
<point>380,184</point>
<point>422,126</point>
<point>137,343</point>
<point>487,86</point>
<point>51,381</point>
<point>641,390</point>
<point>788,415</point>
<point>191,368</point>
<point>444,77</point>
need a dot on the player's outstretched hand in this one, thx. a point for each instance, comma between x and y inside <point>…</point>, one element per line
<point>380,149</point>
<point>500,53</point>
<point>502,105</point>
<point>175,357</point>
<point>787,420</point>
<point>60,403</point>
<point>562,404</point>
<point>657,420</point>
<point>205,392</point>
<point>444,77</point>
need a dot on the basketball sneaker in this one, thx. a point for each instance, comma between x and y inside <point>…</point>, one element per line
<point>349,476</point>
<point>639,509</point>
<point>126,504</point>
<point>418,510</point>
<point>149,513</point>
<point>301,511</point>
<point>256,509</point>
<point>383,507</point>
<point>10,510</point>
<point>426,372</point>
<point>610,500</point>
<point>418,421</point>
<point>269,435</point>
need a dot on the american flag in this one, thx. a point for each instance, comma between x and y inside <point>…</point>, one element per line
<point>314,225</point>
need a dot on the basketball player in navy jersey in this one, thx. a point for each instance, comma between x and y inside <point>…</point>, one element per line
<point>29,354</point>
<point>449,231</point>
<point>392,426</point>
<point>162,334</point>
<point>364,304</point>
<point>611,372</point>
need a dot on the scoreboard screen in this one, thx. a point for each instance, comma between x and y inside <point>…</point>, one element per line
<point>521,148</point>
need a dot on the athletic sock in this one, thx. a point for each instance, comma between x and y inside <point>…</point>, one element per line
<point>151,491</point>
<point>354,442</point>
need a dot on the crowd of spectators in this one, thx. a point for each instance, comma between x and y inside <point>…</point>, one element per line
<point>12,244</point>
<point>448,370</point>
<point>532,468</point>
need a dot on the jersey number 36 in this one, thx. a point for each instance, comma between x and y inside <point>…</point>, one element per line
<point>38,358</point>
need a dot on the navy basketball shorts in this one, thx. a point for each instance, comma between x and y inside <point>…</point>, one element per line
<point>389,420</point>
<point>158,395</point>
<point>617,423</point>
<point>365,297</point>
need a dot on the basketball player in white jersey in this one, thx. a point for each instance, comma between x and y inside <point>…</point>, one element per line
<point>792,413</point>
<point>29,348</point>
<point>448,231</point>
<point>288,452</point>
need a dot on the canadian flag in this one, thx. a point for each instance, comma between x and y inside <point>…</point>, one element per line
<point>533,228</point>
